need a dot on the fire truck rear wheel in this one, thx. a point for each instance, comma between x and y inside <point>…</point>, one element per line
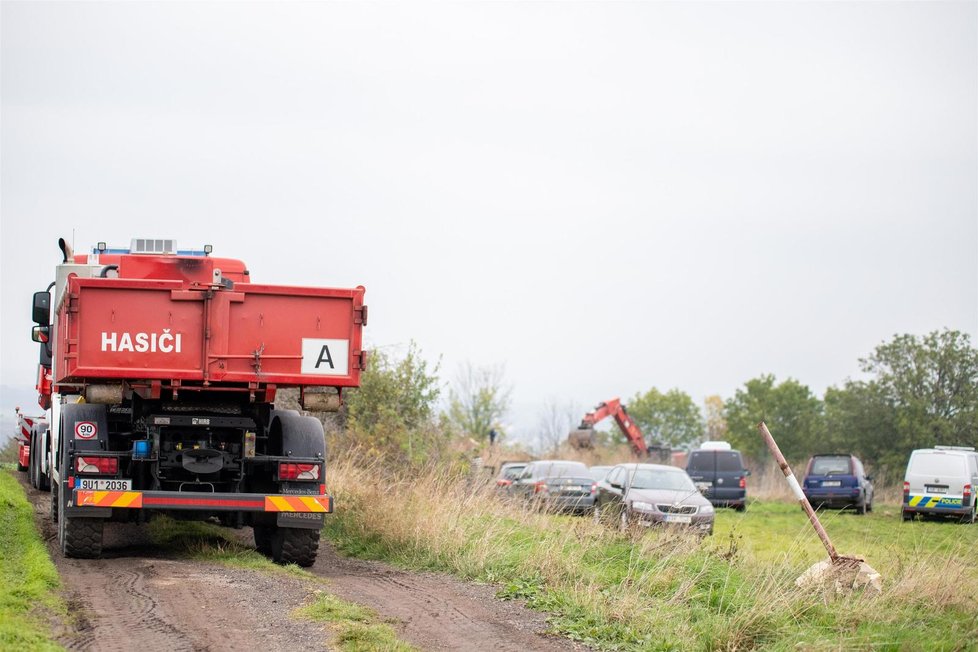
<point>295,546</point>
<point>37,459</point>
<point>80,538</point>
<point>54,502</point>
<point>263,538</point>
<point>32,460</point>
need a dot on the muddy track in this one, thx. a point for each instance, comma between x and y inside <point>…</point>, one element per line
<point>138,597</point>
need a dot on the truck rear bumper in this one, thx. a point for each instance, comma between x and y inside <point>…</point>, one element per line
<point>203,501</point>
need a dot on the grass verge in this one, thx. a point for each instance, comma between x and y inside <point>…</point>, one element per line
<point>663,590</point>
<point>28,579</point>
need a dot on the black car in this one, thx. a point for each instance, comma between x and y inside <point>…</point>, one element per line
<point>557,485</point>
<point>838,480</point>
<point>719,469</point>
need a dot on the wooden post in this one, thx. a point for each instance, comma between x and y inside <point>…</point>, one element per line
<point>796,488</point>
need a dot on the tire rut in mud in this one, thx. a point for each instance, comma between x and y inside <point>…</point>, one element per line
<point>435,611</point>
<point>138,598</point>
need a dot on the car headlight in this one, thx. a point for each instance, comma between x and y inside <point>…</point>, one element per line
<point>639,506</point>
<point>706,509</point>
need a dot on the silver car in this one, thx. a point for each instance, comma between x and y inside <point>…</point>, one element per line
<point>652,494</point>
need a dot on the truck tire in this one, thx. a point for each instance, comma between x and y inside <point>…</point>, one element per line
<point>53,509</point>
<point>80,538</point>
<point>263,539</point>
<point>38,455</point>
<point>295,546</point>
<point>32,461</point>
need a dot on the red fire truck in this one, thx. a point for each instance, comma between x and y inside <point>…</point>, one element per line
<point>164,366</point>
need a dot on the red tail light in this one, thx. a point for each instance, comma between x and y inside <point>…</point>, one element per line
<point>540,487</point>
<point>743,483</point>
<point>594,487</point>
<point>906,488</point>
<point>290,471</point>
<point>967,492</point>
<point>102,465</point>
<point>503,483</point>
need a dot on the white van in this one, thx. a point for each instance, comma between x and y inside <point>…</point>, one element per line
<point>941,481</point>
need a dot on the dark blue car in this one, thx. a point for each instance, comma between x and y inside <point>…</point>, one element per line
<point>838,480</point>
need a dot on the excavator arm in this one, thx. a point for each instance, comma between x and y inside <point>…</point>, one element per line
<point>612,408</point>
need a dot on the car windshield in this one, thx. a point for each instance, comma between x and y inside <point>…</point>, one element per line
<point>830,465</point>
<point>513,472</point>
<point>670,480</point>
<point>562,469</point>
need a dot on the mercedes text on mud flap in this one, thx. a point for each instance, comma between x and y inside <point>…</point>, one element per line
<point>164,368</point>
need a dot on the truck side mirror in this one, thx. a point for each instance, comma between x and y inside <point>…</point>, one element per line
<point>41,334</point>
<point>42,309</point>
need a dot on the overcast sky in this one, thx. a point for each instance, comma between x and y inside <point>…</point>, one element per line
<point>603,197</point>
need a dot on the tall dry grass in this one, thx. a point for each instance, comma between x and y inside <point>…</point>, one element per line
<point>629,589</point>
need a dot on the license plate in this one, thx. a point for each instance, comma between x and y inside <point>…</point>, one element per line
<point>931,489</point>
<point>832,483</point>
<point>92,484</point>
<point>678,518</point>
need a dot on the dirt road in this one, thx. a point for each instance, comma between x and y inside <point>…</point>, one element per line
<point>141,596</point>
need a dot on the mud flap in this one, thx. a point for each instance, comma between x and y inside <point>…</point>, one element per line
<point>301,520</point>
<point>87,512</point>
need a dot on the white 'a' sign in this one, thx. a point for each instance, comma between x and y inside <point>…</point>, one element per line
<point>325,357</point>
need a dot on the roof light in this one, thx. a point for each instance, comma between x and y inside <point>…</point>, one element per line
<point>208,249</point>
<point>101,247</point>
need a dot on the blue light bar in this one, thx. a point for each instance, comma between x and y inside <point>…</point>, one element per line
<point>121,251</point>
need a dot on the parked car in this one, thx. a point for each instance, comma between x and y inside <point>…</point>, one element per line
<point>558,485</point>
<point>941,481</point>
<point>720,471</point>
<point>838,480</point>
<point>652,494</point>
<point>599,472</point>
<point>508,472</point>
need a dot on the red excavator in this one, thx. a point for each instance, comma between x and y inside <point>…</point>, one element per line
<point>584,437</point>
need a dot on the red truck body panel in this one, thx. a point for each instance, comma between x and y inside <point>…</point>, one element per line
<point>189,331</point>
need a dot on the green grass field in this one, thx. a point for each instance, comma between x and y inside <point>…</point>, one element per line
<point>28,580</point>
<point>659,590</point>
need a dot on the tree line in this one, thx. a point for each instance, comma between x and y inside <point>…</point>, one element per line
<point>916,391</point>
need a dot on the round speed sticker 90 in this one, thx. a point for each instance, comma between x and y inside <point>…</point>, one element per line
<point>85,430</point>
